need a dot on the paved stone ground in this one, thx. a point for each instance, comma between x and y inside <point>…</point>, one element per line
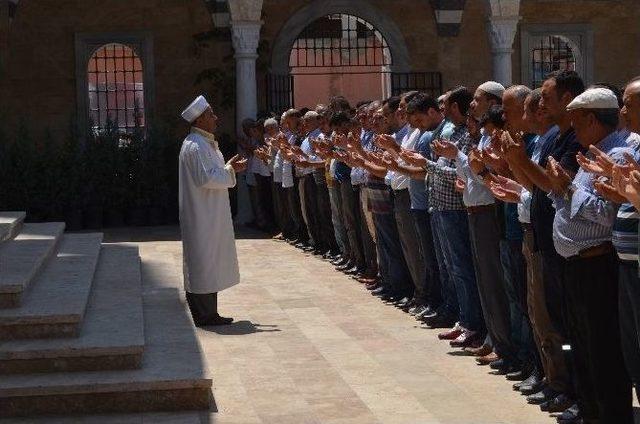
<point>311,345</point>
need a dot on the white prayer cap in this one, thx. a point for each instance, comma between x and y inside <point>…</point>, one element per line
<point>311,114</point>
<point>195,109</point>
<point>442,98</point>
<point>492,87</point>
<point>595,98</point>
<point>271,122</point>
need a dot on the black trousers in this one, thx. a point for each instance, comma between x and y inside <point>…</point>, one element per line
<point>323,208</point>
<point>603,385</point>
<point>299,228</point>
<point>351,219</point>
<point>308,202</point>
<point>629,304</point>
<point>203,307</point>
<point>484,234</point>
<point>422,221</point>
<point>266,200</point>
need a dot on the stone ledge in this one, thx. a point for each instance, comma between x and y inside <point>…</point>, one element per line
<point>112,334</point>
<point>10,224</point>
<point>57,302</point>
<point>22,258</point>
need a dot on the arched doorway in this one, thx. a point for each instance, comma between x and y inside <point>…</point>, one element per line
<point>341,47</point>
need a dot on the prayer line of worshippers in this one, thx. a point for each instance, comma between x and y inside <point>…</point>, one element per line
<point>507,217</point>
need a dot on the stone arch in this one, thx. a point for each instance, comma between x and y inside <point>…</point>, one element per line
<point>360,8</point>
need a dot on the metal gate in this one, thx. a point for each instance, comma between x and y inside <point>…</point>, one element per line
<point>429,82</point>
<point>279,93</point>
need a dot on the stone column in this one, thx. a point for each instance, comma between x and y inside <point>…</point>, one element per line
<point>246,35</point>
<point>502,31</point>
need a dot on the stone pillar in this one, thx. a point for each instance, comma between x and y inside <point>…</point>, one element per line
<point>246,35</point>
<point>502,31</point>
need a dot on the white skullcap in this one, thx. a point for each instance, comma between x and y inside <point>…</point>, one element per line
<point>492,87</point>
<point>595,98</point>
<point>442,98</point>
<point>271,122</point>
<point>195,109</point>
<point>311,114</point>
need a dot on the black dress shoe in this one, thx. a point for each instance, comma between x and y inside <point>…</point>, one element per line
<point>345,266</point>
<point>402,302</point>
<point>218,320</point>
<point>499,364</point>
<point>557,404</point>
<point>440,321</point>
<point>352,271</point>
<point>372,287</point>
<point>380,291</point>
<point>533,387</point>
<point>518,375</point>
<point>570,415</point>
<point>542,396</point>
<point>533,379</point>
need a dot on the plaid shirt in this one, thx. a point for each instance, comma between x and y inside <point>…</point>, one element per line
<point>441,175</point>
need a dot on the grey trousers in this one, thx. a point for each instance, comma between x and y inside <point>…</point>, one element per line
<point>410,244</point>
<point>484,234</point>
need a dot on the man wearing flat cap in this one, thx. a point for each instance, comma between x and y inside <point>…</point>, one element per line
<point>210,262</point>
<point>582,232</point>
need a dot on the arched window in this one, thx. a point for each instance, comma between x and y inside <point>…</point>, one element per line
<point>550,53</point>
<point>116,88</point>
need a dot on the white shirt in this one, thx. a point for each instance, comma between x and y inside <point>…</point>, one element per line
<point>400,181</point>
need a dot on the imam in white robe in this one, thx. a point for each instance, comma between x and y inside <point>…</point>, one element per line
<point>209,247</point>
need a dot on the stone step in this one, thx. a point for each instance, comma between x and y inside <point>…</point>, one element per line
<point>174,375</point>
<point>10,224</point>
<point>55,305</point>
<point>22,258</point>
<point>112,333</point>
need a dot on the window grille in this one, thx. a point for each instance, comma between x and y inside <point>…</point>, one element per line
<point>550,53</point>
<point>340,41</point>
<point>116,88</point>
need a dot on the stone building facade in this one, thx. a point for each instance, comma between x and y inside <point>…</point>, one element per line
<point>44,46</point>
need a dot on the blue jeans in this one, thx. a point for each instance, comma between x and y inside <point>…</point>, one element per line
<point>393,268</point>
<point>454,236</point>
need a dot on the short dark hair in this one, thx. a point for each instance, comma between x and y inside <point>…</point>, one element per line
<point>408,96</point>
<point>393,103</point>
<point>609,118</point>
<point>339,103</point>
<point>614,89</point>
<point>422,103</point>
<point>535,97</point>
<point>462,97</point>
<point>567,82</point>
<point>339,118</point>
<point>493,116</point>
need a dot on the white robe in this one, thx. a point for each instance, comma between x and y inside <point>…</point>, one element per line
<point>209,248</point>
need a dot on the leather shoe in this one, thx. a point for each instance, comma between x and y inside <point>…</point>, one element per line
<point>380,291</point>
<point>487,359</point>
<point>217,320</point>
<point>452,333</point>
<point>479,351</point>
<point>352,271</point>
<point>439,321</point>
<point>557,404</point>
<point>570,416</point>
<point>404,301</point>
<point>373,286</point>
<point>542,396</point>
<point>465,339</point>
<point>497,364</point>
<point>534,379</point>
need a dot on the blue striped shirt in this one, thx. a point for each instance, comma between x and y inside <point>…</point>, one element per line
<point>586,220</point>
<point>625,228</point>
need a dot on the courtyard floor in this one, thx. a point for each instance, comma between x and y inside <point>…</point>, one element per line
<point>311,345</point>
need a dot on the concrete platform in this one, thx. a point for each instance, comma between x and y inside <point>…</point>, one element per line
<point>10,224</point>
<point>173,375</point>
<point>22,258</point>
<point>112,333</point>
<point>56,304</point>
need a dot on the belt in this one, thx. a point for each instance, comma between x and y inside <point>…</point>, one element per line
<point>482,208</point>
<point>592,252</point>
